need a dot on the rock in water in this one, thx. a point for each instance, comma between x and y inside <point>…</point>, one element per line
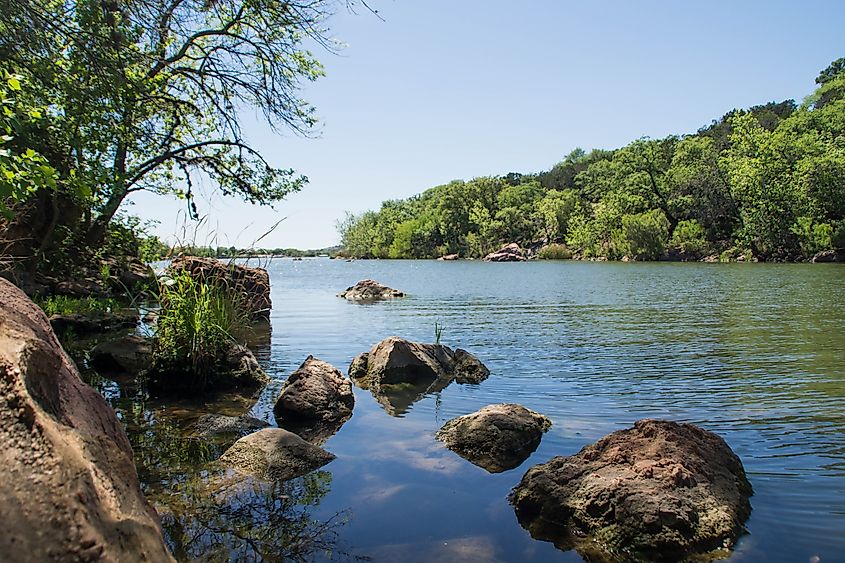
<point>253,284</point>
<point>129,354</point>
<point>508,253</point>
<point>399,372</point>
<point>274,454</point>
<point>658,491</point>
<point>209,425</point>
<point>236,370</point>
<point>68,490</point>
<point>497,437</point>
<point>315,401</point>
<point>396,360</point>
<point>369,290</point>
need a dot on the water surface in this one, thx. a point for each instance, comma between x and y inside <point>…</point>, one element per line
<point>753,352</point>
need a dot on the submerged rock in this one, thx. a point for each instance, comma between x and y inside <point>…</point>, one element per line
<point>218,424</point>
<point>508,253</point>
<point>658,491</point>
<point>369,290</point>
<point>129,354</point>
<point>69,490</point>
<point>399,372</point>
<point>93,323</point>
<point>315,400</point>
<point>497,437</point>
<point>236,369</point>
<point>274,454</point>
<point>253,284</point>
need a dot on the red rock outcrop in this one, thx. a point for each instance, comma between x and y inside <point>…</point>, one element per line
<point>68,490</point>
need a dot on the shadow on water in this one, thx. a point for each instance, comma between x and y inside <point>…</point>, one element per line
<point>208,512</point>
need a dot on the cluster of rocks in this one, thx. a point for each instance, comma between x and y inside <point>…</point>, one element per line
<point>508,253</point>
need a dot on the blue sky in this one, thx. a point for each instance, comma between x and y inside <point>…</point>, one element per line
<point>444,90</point>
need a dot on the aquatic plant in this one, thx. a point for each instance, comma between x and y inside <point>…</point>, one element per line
<point>197,322</point>
<point>438,332</point>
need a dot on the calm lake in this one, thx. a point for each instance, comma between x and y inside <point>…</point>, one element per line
<point>753,352</point>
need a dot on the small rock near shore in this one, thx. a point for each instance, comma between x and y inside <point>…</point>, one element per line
<point>497,437</point>
<point>93,323</point>
<point>315,391</point>
<point>274,454</point>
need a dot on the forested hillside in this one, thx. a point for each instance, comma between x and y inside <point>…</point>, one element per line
<point>766,183</point>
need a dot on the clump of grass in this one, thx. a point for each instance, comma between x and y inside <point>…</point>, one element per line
<point>64,305</point>
<point>554,251</point>
<point>197,324</point>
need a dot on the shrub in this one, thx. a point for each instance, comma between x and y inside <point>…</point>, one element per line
<point>554,252</point>
<point>812,237</point>
<point>689,238</point>
<point>196,324</point>
<point>644,234</point>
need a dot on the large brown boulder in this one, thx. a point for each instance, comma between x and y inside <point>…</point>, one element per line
<point>497,437</point>
<point>399,372</point>
<point>658,491</point>
<point>253,284</point>
<point>508,253</point>
<point>314,396</point>
<point>274,454</point>
<point>68,490</point>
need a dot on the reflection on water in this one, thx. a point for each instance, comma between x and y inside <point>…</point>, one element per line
<point>755,353</point>
<point>218,517</point>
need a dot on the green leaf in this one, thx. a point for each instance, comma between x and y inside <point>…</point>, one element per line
<point>14,84</point>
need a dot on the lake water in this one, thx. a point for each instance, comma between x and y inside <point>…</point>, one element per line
<point>753,352</point>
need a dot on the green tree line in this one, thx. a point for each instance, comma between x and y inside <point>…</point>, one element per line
<point>766,183</point>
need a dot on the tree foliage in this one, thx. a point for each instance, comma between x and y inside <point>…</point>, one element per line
<point>148,95</point>
<point>768,181</point>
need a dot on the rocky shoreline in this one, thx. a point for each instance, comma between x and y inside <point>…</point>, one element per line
<point>659,490</point>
